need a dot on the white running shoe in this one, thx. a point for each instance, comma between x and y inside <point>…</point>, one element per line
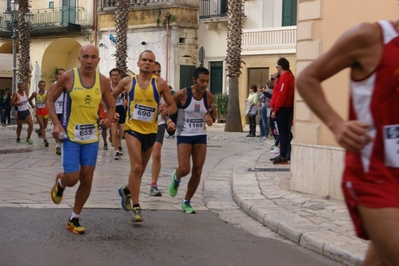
<point>276,151</point>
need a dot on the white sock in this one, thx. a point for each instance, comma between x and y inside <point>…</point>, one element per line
<point>74,215</point>
<point>59,182</point>
<point>57,145</point>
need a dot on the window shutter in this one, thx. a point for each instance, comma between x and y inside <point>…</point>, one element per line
<point>289,12</point>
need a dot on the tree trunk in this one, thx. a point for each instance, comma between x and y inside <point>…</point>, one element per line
<point>233,62</point>
<point>121,19</point>
<point>24,71</point>
<point>233,117</point>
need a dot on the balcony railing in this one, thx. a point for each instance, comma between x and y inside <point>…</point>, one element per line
<point>269,41</point>
<point>212,8</point>
<point>112,3</point>
<point>59,16</point>
<point>55,17</point>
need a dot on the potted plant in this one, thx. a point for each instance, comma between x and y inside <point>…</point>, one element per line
<point>221,100</point>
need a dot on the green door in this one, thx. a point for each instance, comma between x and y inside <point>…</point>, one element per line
<point>216,78</point>
<point>68,12</point>
<point>186,76</point>
<point>289,13</point>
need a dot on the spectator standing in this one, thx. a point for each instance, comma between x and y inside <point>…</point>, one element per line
<point>252,103</point>
<point>7,109</point>
<point>263,121</point>
<point>1,106</point>
<point>283,108</point>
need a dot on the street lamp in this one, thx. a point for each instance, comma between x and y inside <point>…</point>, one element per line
<point>11,19</point>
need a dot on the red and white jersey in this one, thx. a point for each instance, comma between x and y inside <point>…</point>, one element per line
<point>375,100</point>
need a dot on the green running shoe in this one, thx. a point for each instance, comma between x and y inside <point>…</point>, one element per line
<point>174,185</point>
<point>186,207</point>
<point>137,215</point>
<point>30,142</point>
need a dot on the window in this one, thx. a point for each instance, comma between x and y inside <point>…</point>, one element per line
<point>216,79</point>
<point>186,73</point>
<point>289,12</point>
<point>51,4</point>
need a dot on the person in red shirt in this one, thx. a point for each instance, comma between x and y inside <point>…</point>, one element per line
<point>282,103</point>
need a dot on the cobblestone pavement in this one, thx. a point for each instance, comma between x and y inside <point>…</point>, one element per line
<point>232,185</point>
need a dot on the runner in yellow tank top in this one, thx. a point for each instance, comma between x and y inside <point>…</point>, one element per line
<point>141,124</point>
<point>41,110</point>
<point>83,112</point>
<point>84,87</point>
<point>142,116</point>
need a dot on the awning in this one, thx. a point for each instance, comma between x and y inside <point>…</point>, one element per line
<point>6,64</point>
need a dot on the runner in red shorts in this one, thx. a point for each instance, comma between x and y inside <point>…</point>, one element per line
<point>41,110</point>
<point>371,136</point>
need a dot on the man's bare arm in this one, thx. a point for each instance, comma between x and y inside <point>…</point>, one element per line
<point>123,86</point>
<point>350,50</point>
<point>31,98</point>
<point>165,92</point>
<point>108,100</point>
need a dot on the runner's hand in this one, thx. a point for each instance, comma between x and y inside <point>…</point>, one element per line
<point>352,135</point>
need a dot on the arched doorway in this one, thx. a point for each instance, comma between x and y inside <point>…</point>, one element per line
<point>61,53</point>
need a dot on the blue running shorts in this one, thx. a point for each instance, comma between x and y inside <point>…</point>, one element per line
<point>75,155</point>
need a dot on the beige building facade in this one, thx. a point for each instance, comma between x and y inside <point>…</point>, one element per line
<point>59,29</point>
<point>265,38</point>
<point>317,160</point>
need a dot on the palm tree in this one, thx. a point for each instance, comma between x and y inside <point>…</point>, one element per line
<point>233,62</point>
<point>24,29</point>
<point>121,20</point>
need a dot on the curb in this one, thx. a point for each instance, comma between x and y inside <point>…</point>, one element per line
<point>258,202</point>
<point>15,150</point>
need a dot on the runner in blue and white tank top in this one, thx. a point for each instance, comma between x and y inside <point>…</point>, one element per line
<point>20,100</point>
<point>118,129</point>
<point>59,109</point>
<point>195,109</point>
<point>191,116</point>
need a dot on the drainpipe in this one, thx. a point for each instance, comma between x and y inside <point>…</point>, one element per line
<point>167,16</point>
<point>95,21</point>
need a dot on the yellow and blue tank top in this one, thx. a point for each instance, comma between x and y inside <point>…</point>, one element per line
<point>40,100</point>
<point>80,113</point>
<point>142,108</point>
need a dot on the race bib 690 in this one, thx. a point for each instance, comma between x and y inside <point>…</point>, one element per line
<point>143,113</point>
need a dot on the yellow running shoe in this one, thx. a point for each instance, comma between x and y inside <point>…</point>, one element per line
<point>74,226</point>
<point>56,191</point>
<point>137,215</point>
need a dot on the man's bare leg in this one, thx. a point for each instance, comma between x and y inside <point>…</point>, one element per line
<point>383,229</point>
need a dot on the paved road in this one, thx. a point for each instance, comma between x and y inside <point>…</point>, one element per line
<point>227,189</point>
<point>37,237</point>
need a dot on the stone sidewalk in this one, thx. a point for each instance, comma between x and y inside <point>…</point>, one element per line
<point>235,179</point>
